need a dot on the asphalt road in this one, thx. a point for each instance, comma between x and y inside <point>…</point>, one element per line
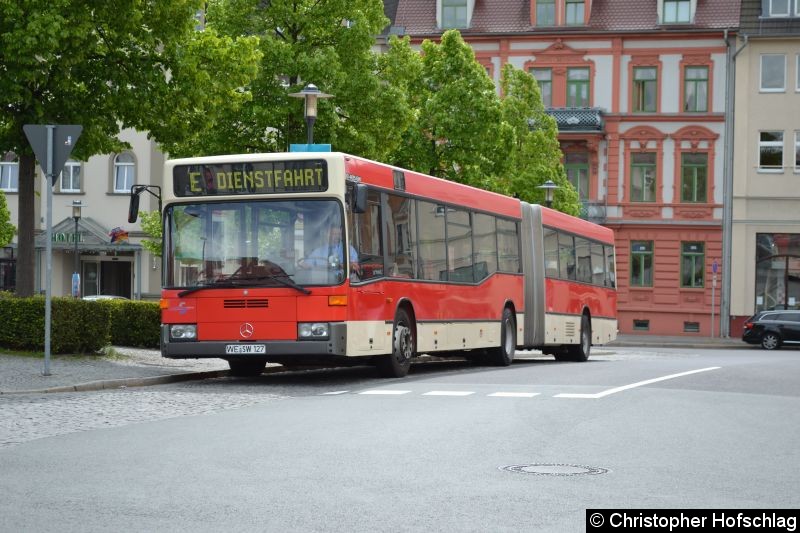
<point>453,447</point>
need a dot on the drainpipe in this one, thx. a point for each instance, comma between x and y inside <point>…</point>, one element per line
<point>727,189</point>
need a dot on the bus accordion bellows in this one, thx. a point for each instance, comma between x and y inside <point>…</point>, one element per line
<point>328,258</point>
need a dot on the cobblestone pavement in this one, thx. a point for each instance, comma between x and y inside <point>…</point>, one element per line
<point>35,416</point>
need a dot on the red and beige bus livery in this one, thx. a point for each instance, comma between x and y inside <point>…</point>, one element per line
<point>329,258</point>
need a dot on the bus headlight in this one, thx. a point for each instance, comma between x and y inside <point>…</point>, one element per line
<point>183,332</point>
<point>313,330</point>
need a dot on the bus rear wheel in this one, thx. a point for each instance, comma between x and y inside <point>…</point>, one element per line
<point>244,368</point>
<point>580,352</point>
<point>398,363</point>
<point>504,354</point>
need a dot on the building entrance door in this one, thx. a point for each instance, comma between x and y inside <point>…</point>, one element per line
<point>112,278</point>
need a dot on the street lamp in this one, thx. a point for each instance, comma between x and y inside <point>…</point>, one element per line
<point>310,92</point>
<point>549,189</point>
<point>76,214</point>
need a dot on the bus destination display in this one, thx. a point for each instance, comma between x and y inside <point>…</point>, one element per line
<point>261,177</point>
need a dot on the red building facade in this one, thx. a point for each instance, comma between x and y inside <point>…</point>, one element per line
<point>638,89</point>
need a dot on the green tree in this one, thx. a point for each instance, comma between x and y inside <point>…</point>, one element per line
<point>325,43</point>
<point>535,155</point>
<point>462,130</point>
<point>7,229</point>
<point>151,225</point>
<point>107,66</point>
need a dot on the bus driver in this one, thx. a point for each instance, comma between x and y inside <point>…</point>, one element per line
<point>320,257</point>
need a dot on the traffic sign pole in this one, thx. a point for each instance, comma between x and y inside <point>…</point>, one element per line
<point>52,144</point>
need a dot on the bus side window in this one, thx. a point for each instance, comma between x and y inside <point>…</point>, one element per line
<point>401,223</point>
<point>367,238</point>
<point>508,245</point>
<point>566,256</point>
<point>584,260</point>
<point>611,280</point>
<point>484,229</point>
<point>598,264</point>
<point>550,253</point>
<point>432,249</point>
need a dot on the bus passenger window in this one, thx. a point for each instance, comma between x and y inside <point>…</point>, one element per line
<point>459,246</point>
<point>566,256</point>
<point>401,228</point>
<point>584,258</point>
<point>432,251</point>
<point>550,253</point>
<point>484,229</point>
<point>367,239</point>
<point>598,264</point>
<point>508,245</point>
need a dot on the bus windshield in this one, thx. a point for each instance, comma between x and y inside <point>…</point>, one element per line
<point>266,243</point>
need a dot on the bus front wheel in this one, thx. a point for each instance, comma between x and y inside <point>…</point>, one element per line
<point>504,354</point>
<point>398,363</point>
<point>581,351</point>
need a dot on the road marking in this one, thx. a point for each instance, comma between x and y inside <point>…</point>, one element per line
<point>334,393</point>
<point>637,384</point>
<point>514,394</point>
<point>386,392</point>
<point>448,393</point>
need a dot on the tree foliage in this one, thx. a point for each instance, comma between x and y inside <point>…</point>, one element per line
<point>151,225</point>
<point>107,66</point>
<point>7,229</point>
<point>464,131</point>
<point>326,43</point>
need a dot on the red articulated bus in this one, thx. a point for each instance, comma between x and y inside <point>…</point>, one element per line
<point>328,258</point>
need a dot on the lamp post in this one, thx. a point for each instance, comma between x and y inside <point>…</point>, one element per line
<point>76,277</point>
<point>549,189</point>
<point>311,93</point>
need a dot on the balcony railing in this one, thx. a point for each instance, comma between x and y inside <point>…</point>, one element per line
<point>593,211</point>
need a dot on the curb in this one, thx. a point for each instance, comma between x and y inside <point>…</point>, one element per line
<point>108,384</point>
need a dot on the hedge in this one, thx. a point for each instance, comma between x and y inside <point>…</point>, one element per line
<point>78,326</point>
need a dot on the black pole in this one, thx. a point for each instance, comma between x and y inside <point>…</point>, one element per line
<point>310,129</point>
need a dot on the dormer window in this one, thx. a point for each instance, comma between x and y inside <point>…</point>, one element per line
<point>574,12</point>
<point>778,8</point>
<point>454,13</point>
<point>677,12</point>
<point>546,12</point>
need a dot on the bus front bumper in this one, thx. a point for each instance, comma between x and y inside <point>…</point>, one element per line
<point>276,351</point>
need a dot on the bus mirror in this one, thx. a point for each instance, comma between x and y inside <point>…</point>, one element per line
<point>133,208</point>
<point>360,198</point>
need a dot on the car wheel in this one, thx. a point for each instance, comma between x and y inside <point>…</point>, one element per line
<point>770,341</point>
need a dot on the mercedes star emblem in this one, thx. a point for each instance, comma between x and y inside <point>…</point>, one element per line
<point>246,330</point>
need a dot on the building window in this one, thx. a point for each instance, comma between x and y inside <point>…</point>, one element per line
<point>643,177</point>
<point>544,77</point>
<point>71,177</point>
<point>641,263</point>
<point>691,327</point>
<point>770,151</point>
<point>9,172</point>
<point>578,87</point>
<point>577,167</point>
<point>546,12</point>
<point>644,89</point>
<point>454,13</point>
<point>796,8</point>
<point>692,264</point>
<point>797,61</point>
<point>677,11</point>
<point>694,177</point>
<point>778,8</point>
<point>695,89</point>
<point>124,170</point>
<point>574,12</point>
<point>641,325</point>
<point>773,73</point>
<point>777,271</point>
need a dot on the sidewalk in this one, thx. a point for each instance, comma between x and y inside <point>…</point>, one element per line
<point>133,367</point>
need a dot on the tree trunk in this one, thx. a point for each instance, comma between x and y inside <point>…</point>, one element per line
<point>25,226</point>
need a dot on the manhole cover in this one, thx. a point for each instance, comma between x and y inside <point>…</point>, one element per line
<point>555,469</point>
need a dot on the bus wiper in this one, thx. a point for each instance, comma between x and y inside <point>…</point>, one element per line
<point>222,284</point>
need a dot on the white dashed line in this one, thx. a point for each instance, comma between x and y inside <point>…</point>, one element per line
<point>386,392</point>
<point>514,394</point>
<point>634,385</point>
<point>448,393</point>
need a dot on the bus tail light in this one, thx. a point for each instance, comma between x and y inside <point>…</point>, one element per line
<point>337,299</point>
<point>313,330</point>
<point>183,332</point>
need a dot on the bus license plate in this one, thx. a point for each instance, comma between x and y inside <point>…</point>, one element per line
<point>245,348</point>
